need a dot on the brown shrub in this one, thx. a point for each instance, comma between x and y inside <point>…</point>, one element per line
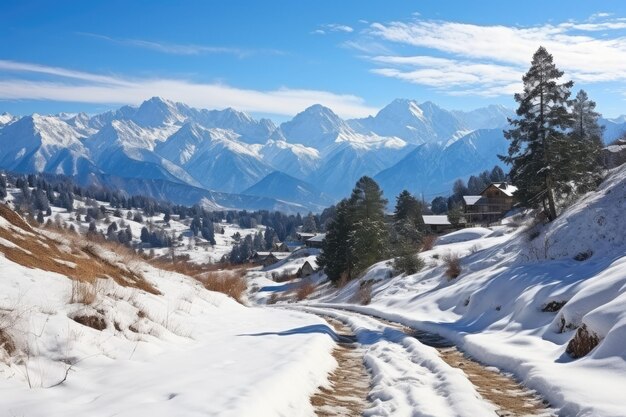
<point>182,265</point>
<point>363,295</point>
<point>285,276</point>
<point>453,264</point>
<point>344,278</point>
<point>6,342</point>
<point>93,321</point>
<point>582,343</point>
<point>428,242</point>
<point>231,283</point>
<point>553,306</point>
<point>83,292</point>
<point>273,298</point>
<point>304,290</point>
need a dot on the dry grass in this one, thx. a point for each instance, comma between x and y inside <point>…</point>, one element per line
<point>83,261</point>
<point>6,342</point>
<point>304,290</point>
<point>453,265</point>
<point>182,265</point>
<point>428,242</point>
<point>83,292</point>
<point>285,276</point>
<point>231,283</point>
<point>363,295</point>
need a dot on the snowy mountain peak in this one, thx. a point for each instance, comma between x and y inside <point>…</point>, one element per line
<point>6,118</point>
<point>158,112</point>
<point>317,127</point>
<point>402,110</point>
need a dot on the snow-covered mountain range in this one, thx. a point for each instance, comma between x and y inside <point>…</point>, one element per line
<point>225,158</point>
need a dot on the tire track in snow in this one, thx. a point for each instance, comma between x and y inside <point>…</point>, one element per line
<point>424,375</point>
<point>349,382</point>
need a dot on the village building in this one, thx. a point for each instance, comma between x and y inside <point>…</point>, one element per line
<point>614,155</point>
<point>437,223</point>
<point>315,241</point>
<point>303,237</point>
<point>268,258</point>
<point>305,270</point>
<point>280,247</point>
<point>490,205</point>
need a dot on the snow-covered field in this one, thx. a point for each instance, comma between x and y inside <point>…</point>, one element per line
<point>186,351</point>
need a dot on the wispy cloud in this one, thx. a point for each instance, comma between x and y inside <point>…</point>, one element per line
<point>332,27</point>
<point>181,49</point>
<point>68,85</point>
<point>463,58</point>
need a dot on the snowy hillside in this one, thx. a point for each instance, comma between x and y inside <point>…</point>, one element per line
<point>544,302</point>
<point>87,331</point>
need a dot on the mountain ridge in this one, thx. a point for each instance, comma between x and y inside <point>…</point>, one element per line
<point>228,151</point>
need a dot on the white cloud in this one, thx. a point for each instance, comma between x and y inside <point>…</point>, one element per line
<point>181,49</point>
<point>490,60</point>
<point>332,27</point>
<point>451,75</point>
<point>76,86</point>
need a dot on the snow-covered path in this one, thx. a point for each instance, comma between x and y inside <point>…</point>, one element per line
<point>410,378</point>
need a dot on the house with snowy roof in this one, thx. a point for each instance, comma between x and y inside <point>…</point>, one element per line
<point>491,204</point>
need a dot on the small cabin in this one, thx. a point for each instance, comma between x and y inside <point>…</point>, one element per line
<point>305,270</point>
<point>280,247</point>
<point>303,237</point>
<point>491,204</point>
<point>437,223</point>
<point>316,241</point>
<point>268,258</point>
<point>614,155</point>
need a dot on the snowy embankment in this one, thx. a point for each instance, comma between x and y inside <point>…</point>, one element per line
<point>524,293</point>
<point>172,348</point>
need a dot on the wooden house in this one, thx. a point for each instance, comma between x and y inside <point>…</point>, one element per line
<point>490,205</point>
<point>268,258</point>
<point>280,247</point>
<point>305,270</point>
<point>437,223</point>
<point>315,241</point>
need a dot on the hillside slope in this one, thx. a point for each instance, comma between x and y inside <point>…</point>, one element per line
<point>144,342</point>
<point>547,303</point>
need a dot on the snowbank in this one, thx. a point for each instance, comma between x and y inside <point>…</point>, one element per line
<point>519,302</point>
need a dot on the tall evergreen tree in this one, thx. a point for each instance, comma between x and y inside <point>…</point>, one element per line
<point>408,221</point>
<point>369,238</point>
<point>585,142</point>
<point>336,257</point>
<point>538,135</point>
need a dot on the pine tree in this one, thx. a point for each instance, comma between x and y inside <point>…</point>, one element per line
<point>369,238</point>
<point>337,257</point>
<point>439,205</point>
<point>585,142</point>
<point>367,200</point>
<point>408,221</point>
<point>538,135</point>
<point>497,174</point>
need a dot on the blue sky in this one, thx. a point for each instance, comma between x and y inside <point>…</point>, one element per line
<point>275,58</point>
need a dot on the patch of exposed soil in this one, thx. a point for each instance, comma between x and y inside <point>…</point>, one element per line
<point>350,382</point>
<point>582,343</point>
<point>93,321</point>
<point>510,397</point>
